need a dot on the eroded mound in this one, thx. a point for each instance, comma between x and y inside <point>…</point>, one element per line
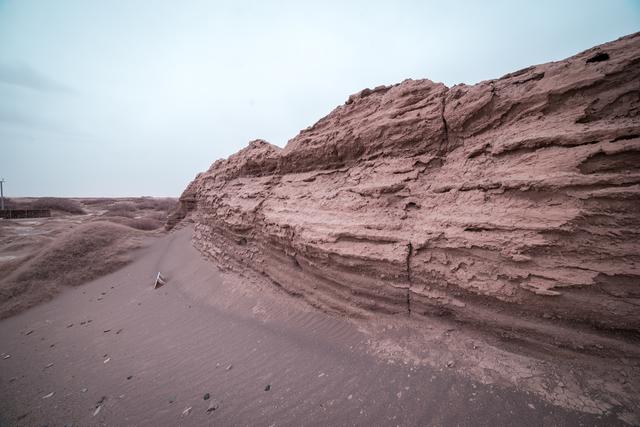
<point>511,204</point>
<point>85,252</point>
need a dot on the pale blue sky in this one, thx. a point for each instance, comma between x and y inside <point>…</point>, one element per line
<point>123,98</point>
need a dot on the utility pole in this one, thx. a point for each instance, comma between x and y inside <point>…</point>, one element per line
<point>1,194</point>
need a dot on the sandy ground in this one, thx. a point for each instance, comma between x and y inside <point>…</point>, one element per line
<point>116,352</point>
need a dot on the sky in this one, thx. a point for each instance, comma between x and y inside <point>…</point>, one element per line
<point>134,98</point>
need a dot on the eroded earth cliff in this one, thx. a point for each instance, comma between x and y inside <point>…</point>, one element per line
<point>510,204</point>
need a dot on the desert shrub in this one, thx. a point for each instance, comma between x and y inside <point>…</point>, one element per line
<point>158,215</point>
<point>58,204</point>
<point>119,212</point>
<point>123,209</point>
<point>99,201</point>
<point>145,224</point>
<point>158,204</point>
<point>123,206</point>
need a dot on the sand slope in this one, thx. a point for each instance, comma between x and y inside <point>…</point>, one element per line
<point>144,356</point>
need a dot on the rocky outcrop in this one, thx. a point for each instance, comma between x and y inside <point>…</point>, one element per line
<point>508,203</point>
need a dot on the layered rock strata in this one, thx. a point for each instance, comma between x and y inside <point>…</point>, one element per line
<point>514,200</point>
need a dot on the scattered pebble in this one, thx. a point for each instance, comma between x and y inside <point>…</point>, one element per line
<point>29,332</point>
<point>97,411</point>
<point>228,368</point>
<point>6,356</point>
<point>106,330</point>
<point>48,366</point>
<point>129,377</point>
<point>206,396</point>
<point>46,396</point>
<point>321,375</point>
<point>530,405</point>
<point>107,360</point>
<point>12,379</point>
<point>213,405</point>
<point>350,397</point>
<point>69,325</point>
<point>84,390</point>
<point>187,411</point>
<point>450,364</point>
<point>268,387</point>
<point>118,331</point>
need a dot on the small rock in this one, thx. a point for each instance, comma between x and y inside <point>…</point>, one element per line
<point>29,332</point>
<point>69,325</point>
<point>12,379</point>
<point>213,405</point>
<point>6,356</point>
<point>48,366</point>
<point>187,411</point>
<point>530,405</point>
<point>107,360</point>
<point>450,364</point>
<point>230,367</point>
<point>97,411</point>
<point>84,390</point>
<point>129,377</point>
<point>106,330</point>
<point>350,397</point>
<point>268,387</point>
<point>46,396</point>
<point>206,396</point>
<point>118,331</point>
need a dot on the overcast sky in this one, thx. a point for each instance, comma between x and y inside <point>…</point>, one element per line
<point>128,98</point>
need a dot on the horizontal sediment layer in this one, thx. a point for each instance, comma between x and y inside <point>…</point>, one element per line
<point>510,202</point>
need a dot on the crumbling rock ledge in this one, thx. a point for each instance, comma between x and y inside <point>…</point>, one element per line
<point>512,203</point>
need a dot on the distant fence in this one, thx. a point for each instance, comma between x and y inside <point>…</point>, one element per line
<point>24,213</point>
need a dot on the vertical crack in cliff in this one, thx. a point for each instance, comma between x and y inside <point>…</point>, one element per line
<point>408,262</point>
<point>445,143</point>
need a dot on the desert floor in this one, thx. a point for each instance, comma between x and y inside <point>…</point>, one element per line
<point>117,352</point>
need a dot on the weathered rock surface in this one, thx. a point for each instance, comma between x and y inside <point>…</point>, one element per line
<point>510,203</point>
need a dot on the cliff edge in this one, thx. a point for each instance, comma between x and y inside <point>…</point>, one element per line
<point>512,203</point>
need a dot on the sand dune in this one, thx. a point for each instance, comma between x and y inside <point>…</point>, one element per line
<point>116,352</point>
